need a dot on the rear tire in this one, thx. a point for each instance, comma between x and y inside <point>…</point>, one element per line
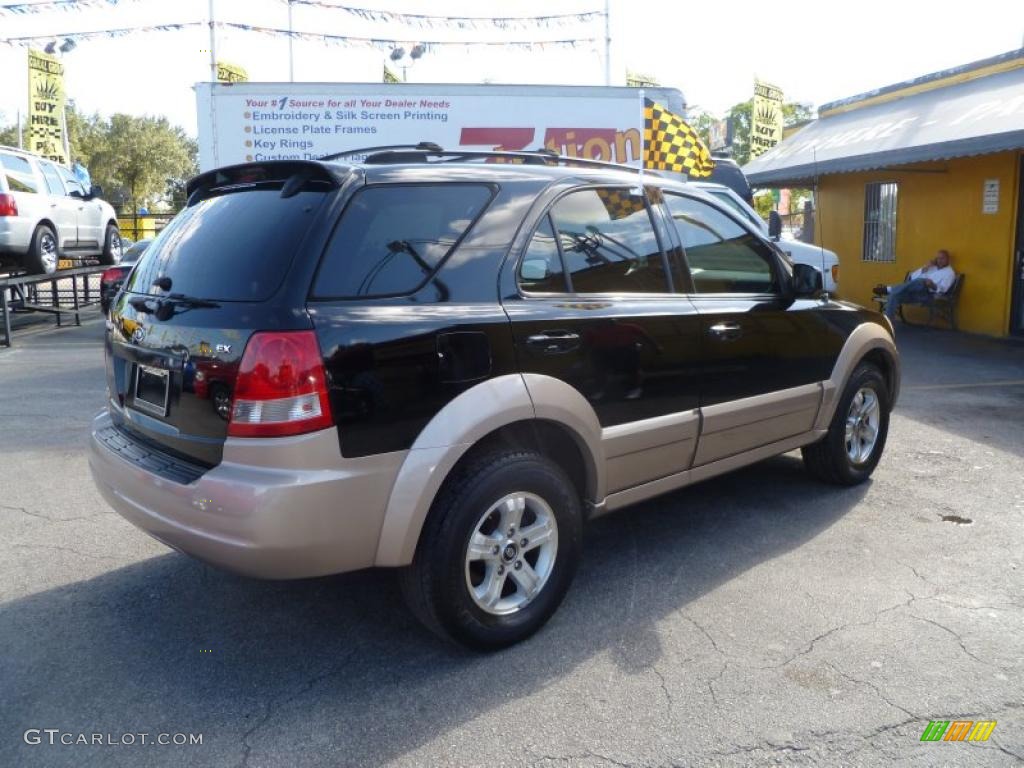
<point>499,591</point>
<point>43,253</point>
<point>851,449</point>
<point>112,247</point>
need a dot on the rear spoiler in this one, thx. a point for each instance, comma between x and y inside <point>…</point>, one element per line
<point>293,174</point>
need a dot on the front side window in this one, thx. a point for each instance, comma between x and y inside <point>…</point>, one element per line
<point>73,184</point>
<point>52,179</point>
<point>19,173</point>
<point>880,200</point>
<point>608,242</point>
<point>723,256</point>
<point>392,238</point>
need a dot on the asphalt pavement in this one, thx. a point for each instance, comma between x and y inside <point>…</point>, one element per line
<point>757,619</point>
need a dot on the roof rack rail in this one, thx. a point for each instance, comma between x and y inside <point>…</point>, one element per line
<point>423,145</point>
<point>543,156</point>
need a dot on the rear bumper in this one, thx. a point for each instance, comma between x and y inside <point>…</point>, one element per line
<point>275,508</point>
<point>15,235</point>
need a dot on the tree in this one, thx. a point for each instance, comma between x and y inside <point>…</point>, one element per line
<point>9,133</point>
<point>140,157</point>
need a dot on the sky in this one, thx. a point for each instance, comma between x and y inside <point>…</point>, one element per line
<point>816,52</point>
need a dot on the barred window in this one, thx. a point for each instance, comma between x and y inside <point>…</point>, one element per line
<point>880,221</point>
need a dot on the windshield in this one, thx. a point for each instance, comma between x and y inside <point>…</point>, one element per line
<point>739,207</point>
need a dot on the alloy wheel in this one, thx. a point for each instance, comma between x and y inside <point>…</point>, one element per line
<point>862,425</point>
<point>511,553</point>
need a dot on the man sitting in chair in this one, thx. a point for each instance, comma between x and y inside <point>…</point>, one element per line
<point>932,279</point>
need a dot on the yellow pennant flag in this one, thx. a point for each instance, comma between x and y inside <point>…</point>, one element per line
<point>672,145</point>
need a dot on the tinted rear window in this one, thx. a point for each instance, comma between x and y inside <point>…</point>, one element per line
<point>392,238</point>
<point>232,247</point>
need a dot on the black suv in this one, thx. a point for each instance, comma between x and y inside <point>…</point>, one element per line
<point>447,362</point>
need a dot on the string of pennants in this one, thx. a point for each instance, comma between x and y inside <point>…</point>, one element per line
<point>420,20</point>
<point>383,44</point>
<point>25,9</point>
<point>424,20</point>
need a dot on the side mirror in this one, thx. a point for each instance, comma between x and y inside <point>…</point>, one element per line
<point>95,191</point>
<point>774,225</point>
<point>806,280</point>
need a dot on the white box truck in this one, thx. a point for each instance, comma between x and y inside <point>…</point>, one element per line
<point>241,122</point>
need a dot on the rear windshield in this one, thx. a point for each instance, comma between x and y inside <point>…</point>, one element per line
<point>230,247</point>
<point>392,238</point>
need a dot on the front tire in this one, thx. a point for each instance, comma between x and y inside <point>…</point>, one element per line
<point>851,449</point>
<point>498,551</point>
<point>43,253</point>
<point>113,248</point>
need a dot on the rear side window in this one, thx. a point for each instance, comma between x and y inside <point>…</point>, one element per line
<point>19,173</point>
<point>392,238</point>
<point>52,179</point>
<point>723,256</point>
<point>229,247</point>
<point>541,268</point>
<point>608,242</point>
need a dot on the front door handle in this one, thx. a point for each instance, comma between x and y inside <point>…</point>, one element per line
<point>726,330</point>
<point>553,342</point>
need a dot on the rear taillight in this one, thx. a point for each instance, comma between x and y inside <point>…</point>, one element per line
<point>8,205</point>
<point>113,274</point>
<point>281,388</point>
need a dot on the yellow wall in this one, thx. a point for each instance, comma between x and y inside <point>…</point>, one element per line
<point>935,210</point>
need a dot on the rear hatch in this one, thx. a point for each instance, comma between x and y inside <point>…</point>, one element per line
<point>223,269</point>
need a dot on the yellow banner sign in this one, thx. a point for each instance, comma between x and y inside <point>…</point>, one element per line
<point>231,73</point>
<point>766,118</point>
<point>46,106</point>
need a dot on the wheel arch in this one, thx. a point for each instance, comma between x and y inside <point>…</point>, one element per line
<point>870,342</point>
<point>515,410</point>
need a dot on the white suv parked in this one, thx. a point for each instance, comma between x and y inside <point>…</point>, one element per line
<point>46,215</point>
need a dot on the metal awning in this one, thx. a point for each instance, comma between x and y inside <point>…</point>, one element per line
<point>972,118</point>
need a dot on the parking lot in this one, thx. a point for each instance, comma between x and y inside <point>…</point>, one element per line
<point>757,619</point>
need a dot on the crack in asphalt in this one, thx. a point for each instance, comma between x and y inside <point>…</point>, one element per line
<point>873,687</point>
<point>44,516</point>
<point>959,639</point>
<point>275,705</point>
<point>66,549</point>
<point>842,627</point>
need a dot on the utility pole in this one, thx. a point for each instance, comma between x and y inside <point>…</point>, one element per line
<point>213,45</point>
<point>291,53</point>
<point>607,42</point>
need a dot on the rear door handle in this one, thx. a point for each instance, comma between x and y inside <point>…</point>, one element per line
<point>553,342</point>
<point>726,330</point>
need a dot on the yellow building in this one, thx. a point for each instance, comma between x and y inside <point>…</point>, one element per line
<point>903,171</point>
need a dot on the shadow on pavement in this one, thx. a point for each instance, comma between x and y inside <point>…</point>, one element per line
<point>334,671</point>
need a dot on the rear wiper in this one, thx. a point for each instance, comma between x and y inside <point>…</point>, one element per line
<point>190,301</point>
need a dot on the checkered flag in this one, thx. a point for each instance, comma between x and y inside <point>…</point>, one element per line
<point>672,145</point>
<point>619,203</point>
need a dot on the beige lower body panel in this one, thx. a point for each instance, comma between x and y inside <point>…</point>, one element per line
<point>688,477</point>
<point>732,428</point>
<point>642,451</point>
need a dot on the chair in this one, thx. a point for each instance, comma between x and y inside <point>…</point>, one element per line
<point>943,304</point>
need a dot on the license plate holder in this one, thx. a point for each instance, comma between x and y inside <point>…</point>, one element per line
<point>152,389</point>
